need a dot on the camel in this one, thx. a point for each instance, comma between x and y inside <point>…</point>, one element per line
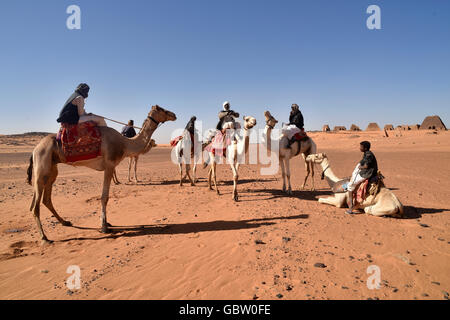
<point>47,154</point>
<point>304,148</point>
<point>151,145</point>
<point>385,203</point>
<point>183,151</point>
<point>233,152</point>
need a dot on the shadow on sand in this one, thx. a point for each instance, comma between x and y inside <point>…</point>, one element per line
<point>417,212</point>
<point>183,228</point>
<point>278,193</point>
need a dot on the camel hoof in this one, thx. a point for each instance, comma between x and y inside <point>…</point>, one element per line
<point>192,184</point>
<point>236,198</point>
<point>105,230</point>
<point>45,242</point>
<point>66,223</point>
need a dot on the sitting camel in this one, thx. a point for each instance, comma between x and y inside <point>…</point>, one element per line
<point>233,152</point>
<point>47,154</point>
<point>151,145</point>
<point>384,203</point>
<point>305,148</point>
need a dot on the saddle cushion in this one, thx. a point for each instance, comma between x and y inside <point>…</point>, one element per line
<point>80,141</point>
<point>300,136</point>
<point>219,144</point>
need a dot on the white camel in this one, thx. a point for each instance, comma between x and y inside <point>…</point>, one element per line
<point>188,153</point>
<point>304,148</point>
<point>384,203</point>
<point>235,153</point>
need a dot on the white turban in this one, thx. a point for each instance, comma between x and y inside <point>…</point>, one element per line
<point>225,103</point>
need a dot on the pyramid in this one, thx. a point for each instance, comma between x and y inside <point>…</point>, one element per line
<point>354,127</point>
<point>433,123</point>
<point>389,127</point>
<point>373,126</point>
<point>339,128</point>
<point>326,128</point>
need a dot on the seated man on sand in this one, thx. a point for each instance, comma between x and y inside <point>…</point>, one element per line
<point>73,111</point>
<point>367,168</point>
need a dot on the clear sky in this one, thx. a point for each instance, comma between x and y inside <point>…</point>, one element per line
<point>189,56</point>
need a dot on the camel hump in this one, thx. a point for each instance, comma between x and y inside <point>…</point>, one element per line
<point>340,186</point>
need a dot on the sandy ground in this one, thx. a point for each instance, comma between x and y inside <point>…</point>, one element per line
<point>173,242</point>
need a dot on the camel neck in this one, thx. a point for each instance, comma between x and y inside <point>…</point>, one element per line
<point>328,172</point>
<point>140,143</point>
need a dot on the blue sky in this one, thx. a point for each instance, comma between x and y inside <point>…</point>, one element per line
<point>189,56</point>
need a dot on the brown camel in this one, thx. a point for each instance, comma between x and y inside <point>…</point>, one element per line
<point>304,148</point>
<point>114,148</point>
<point>151,145</point>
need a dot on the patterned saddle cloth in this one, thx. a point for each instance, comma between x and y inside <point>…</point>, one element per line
<point>80,141</point>
<point>369,187</point>
<point>219,144</point>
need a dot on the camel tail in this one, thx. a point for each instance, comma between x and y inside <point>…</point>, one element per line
<point>30,171</point>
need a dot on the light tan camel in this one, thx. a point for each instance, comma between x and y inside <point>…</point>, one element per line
<point>285,154</point>
<point>114,148</point>
<point>384,203</point>
<point>134,159</point>
<point>234,153</point>
<point>183,153</point>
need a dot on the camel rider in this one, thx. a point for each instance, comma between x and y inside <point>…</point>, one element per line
<point>367,168</point>
<point>295,123</point>
<point>73,111</point>
<point>226,121</point>
<point>227,118</point>
<point>190,126</point>
<point>128,131</point>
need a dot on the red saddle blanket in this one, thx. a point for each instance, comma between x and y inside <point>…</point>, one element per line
<point>300,136</point>
<point>219,144</point>
<point>360,195</point>
<point>80,141</point>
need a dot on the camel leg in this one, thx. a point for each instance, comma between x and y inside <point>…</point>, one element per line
<point>307,171</point>
<point>288,176</point>
<point>209,178</point>
<point>129,169</point>
<point>105,197</point>
<point>334,201</point>
<point>135,170</point>
<point>235,169</point>
<point>188,168</point>
<point>283,174</point>
<point>214,173</point>
<point>38,191</point>
<point>47,199</point>
<point>194,172</point>
<point>312,176</point>
<point>180,169</point>
<point>115,180</point>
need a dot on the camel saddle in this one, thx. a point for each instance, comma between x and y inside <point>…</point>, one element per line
<point>300,137</point>
<point>219,143</point>
<point>175,141</point>
<point>370,187</point>
<point>80,141</point>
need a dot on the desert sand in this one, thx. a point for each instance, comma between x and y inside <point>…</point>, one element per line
<point>172,242</point>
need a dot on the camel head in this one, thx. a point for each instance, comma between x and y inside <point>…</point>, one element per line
<point>316,158</point>
<point>153,143</point>
<point>249,122</point>
<point>161,115</point>
<point>270,120</point>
